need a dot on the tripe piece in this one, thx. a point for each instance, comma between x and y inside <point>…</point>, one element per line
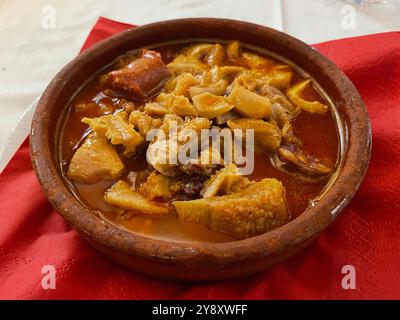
<point>117,128</point>
<point>122,196</point>
<point>249,104</point>
<point>294,94</point>
<point>256,209</point>
<point>94,160</point>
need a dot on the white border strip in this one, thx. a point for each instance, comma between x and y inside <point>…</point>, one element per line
<point>18,135</point>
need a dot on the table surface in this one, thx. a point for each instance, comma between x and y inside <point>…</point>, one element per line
<point>39,37</point>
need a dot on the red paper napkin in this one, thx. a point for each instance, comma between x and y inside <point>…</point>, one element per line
<point>366,235</point>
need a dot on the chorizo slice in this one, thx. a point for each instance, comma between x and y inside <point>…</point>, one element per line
<point>142,77</point>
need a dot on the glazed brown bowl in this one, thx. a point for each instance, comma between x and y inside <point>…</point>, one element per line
<point>202,261</point>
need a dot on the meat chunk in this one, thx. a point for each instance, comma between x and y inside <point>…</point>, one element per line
<point>160,188</point>
<point>295,96</point>
<point>267,135</point>
<point>117,128</point>
<point>224,118</point>
<point>122,196</point>
<point>249,104</point>
<point>277,97</point>
<point>143,122</point>
<point>223,182</point>
<point>94,160</point>
<point>182,107</point>
<point>255,61</point>
<point>211,106</point>
<point>190,64</point>
<point>163,151</point>
<point>162,155</point>
<point>217,88</point>
<point>212,54</point>
<point>142,77</point>
<point>207,161</point>
<point>256,209</point>
<point>280,76</point>
<point>305,162</point>
<point>192,186</point>
<point>233,50</point>
<point>180,85</point>
<point>167,103</point>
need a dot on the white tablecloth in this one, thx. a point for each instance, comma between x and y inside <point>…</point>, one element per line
<point>38,37</point>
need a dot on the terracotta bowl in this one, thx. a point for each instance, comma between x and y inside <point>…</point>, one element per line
<point>201,261</point>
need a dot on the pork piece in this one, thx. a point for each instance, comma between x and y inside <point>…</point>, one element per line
<point>143,122</point>
<point>163,152</point>
<point>224,182</point>
<point>179,85</point>
<point>306,163</point>
<point>182,107</point>
<point>122,196</point>
<point>283,112</point>
<point>224,118</point>
<point>217,88</point>
<point>160,188</point>
<point>162,155</point>
<point>211,106</point>
<point>233,50</point>
<point>94,160</point>
<point>194,168</point>
<point>277,96</point>
<point>227,73</point>
<point>192,186</point>
<point>295,95</point>
<point>207,162</point>
<point>190,64</point>
<point>280,76</point>
<point>212,54</point>
<point>142,77</point>
<point>267,135</point>
<point>249,104</point>
<point>255,61</point>
<point>117,128</point>
<point>168,103</point>
<point>255,209</point>
<point>251,80</point>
